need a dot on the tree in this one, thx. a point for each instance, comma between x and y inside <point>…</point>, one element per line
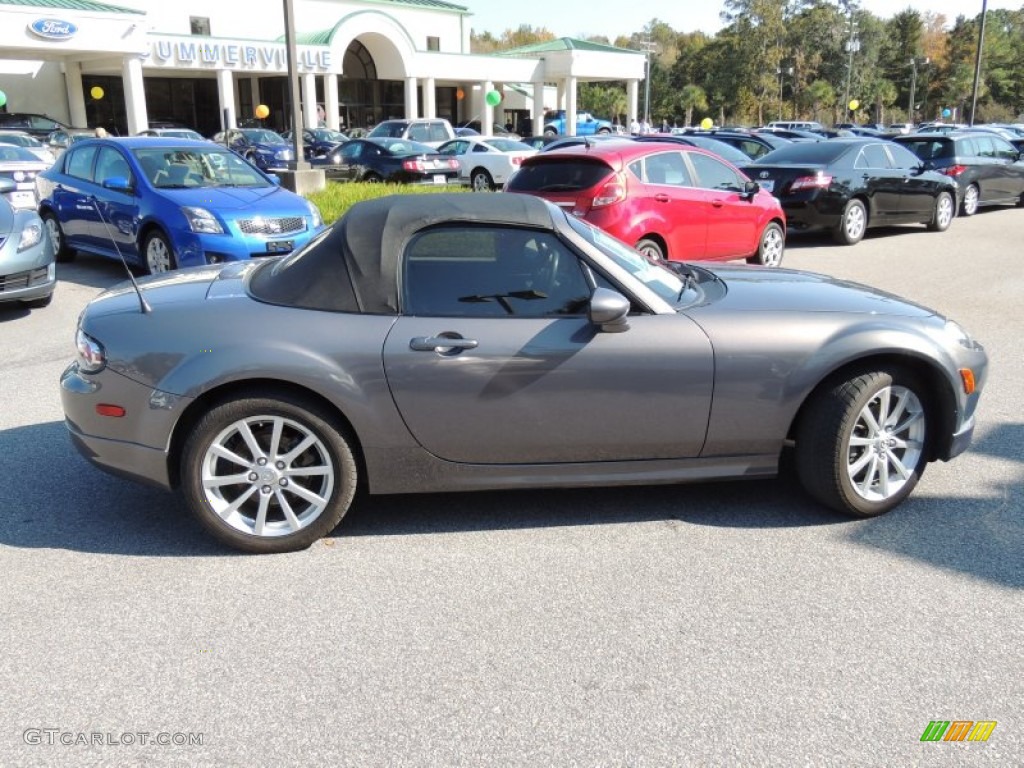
<point>818,96</point>
<point>690,98</point>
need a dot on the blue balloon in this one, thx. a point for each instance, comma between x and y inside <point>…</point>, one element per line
<point>947,112</point>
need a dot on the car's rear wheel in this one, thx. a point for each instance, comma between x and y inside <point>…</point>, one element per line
<point>649,247</point>
<point>942,215</point>
<point>372,178</point>
<point>772,246</point>
<point>550,132</point>
<point>861,442</point>
<point>969,206</point>
<point>55,232</point>
<point>482,181</point>
<point>852,225</point>
<point>268,473</point>
<point>158,253</point>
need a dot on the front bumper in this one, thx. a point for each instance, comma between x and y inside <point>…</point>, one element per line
<point>199,249</point>
<point>28,275</point>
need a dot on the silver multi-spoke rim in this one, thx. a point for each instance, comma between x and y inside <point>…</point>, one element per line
<point>971,200</point>
<point>53,230</point>
<point>158,257</point>
<point>945,213</point>
<point>481,183</point>
<point>268,476</point>
<point>886,443</point>
<point>771,249</point>
<point>854,222</point>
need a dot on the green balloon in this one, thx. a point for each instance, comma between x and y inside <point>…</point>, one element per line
<point>493,98</point>
<point>3,98</point>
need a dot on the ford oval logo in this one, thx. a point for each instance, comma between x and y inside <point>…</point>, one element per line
<point>53,29</point>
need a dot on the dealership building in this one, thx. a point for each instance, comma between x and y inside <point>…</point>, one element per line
<point>209,65</point>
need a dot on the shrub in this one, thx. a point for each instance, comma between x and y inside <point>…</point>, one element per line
<point>339,197</point>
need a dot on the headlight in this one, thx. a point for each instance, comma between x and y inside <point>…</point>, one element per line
<point>956,332</point>
<point>30,236</point>
<point>318,218</point>
<point>335,158</point>
<point>201,220</point>
<point>91,356</point>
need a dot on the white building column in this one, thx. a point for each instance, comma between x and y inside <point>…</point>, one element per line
<point>429,97</point>
<point>254,92</point>
<point>570,106</point>
<point>331,100</point>
<point>560,97</point>
<point>537,113</point>
<point>411,106</point>
<point>226,95</point>
<point>76,96</point>
<point>486,110</point>
<point>632,101</point>
<point>309,116</point>
<point>134,95</point>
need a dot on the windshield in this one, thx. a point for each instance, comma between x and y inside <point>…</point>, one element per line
<point>9,153</point>
<point>19,139</point>
<point>322,134</point>
<point>656,275</point>
<point>262,136</point>
<point>179,168</point>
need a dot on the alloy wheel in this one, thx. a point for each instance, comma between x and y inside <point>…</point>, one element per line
<point>885,443</point>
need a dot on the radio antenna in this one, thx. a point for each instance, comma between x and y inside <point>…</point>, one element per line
<point>143,304</point>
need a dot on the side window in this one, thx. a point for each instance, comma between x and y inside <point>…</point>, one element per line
<point>969,148</point>
<point>667,168</point>
<point>713,174</point>
<point>419,132</point>
<point>986,146</point>
<point>902,157</point>
<point>80,163</point>
<point>42,124</point>
<point>480,148</point>
<point>1004,150</point>
<point>351,152</point>
<point>873,156</point>
<point>438,132</point>
<point>111,164</point>
<point>491,272</point>
<point>753,149</point>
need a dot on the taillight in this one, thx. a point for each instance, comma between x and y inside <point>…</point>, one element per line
<point>954,170</point>
<point>817,181</point>
<point>611,193</point>
<point>453,163</point>
<point>517,160</point>
<point>413,165</point>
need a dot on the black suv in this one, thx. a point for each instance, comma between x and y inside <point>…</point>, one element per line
<point>988,169</point>
<point>39,126</point>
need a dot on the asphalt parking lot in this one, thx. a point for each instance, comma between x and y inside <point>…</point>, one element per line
<point>715,624</point>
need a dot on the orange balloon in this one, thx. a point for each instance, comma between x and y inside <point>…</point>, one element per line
<point>262,111</point>
<point>460,94</point>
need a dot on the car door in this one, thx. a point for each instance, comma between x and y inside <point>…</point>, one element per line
<point>348,168</point>
<point>672,204</point>
<point>733,220</point>
<point>116,230</point>
<point>72,200</point>
<point>872,173</point>
<point>494,361</point>
<point>1006,160</point>
<point>918,190</point>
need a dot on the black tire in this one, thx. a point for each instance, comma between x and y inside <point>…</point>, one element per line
<point>650,248</point>
<point>604,131</point>
<point>39,303</point>
<point>942,213</point>
<point>838,454</point>
<point>771,247</point>
<point>373,178</point>
<point>481,181</point>
<point>56,234</point>
<point>969,205</point>
<point>157,254</point>
<point>549,131</point>
<point>852,225</point>
<point>277,476</point>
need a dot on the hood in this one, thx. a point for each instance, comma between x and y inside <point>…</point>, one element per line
<point>757,289</point>
<point>273,203</point>
<point>6,220</point>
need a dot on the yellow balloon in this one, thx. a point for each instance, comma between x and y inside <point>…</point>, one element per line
<point>707,123</point>
<point>854,103</point>
<point>96,92</point>
<point>262,111</point>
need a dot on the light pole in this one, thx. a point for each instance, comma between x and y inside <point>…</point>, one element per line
<point>852,46</point>
<point>913,85</point>
<point>648,46</point>
<point>977,60</point>
<point>299,163</point>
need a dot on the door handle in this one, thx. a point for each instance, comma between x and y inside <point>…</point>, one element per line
<point>717,203</point>
<point>661,198</point>
<point>441,343</point>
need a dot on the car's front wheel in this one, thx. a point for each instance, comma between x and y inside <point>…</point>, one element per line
<point>969,206</point>
<point>772,245</point>
<point>943,213</point>
<point>861,441</point>
<point>158,253</point>
<point>482,181</point>
<point>269,473</point>
<point>852,225</point>
<point>55,232</point>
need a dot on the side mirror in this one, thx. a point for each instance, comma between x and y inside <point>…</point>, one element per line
<point>118,184</point>
<point>750,189</point>
<point>608,310</point>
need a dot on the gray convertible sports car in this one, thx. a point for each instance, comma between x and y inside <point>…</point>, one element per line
<point>465,342</point>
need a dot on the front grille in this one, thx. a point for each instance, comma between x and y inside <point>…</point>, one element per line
<point>20,280</point>
<point>272,227</point>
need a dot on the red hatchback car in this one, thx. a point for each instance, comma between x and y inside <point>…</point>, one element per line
<point>669,201</point>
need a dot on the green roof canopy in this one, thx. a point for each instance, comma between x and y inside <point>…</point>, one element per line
<point>73,5</point>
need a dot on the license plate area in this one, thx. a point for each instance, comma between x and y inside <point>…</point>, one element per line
<point>280,246</point>
<point>768,185</point>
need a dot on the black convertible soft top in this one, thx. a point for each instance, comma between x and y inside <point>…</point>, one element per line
<point>354,267</point>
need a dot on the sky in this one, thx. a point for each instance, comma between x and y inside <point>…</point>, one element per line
<point>573,18</point>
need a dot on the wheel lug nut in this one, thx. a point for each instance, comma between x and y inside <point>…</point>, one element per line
<point>280,465</point>
<point>265,489</point>
<point>261,461</point>
<point>284,482</point>
<point>253,477</point>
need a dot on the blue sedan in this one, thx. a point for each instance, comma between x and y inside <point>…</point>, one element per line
<point>167,203</point>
